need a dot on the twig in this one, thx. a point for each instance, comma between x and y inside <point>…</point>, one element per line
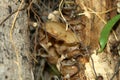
<point>115,35</point>
<point>87,13</point>
<point>11,15</point>
<point>98,15</point>
<point>117,69</point>
<point>60,5</point>
<point>92,62</point>
<point>13,44</point>
<point>93,67</point>
<point>115,74</point>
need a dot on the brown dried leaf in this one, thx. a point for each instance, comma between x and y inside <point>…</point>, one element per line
<point>69,70</point>
<point>53,57</point>
<point>84,60</point>
<point>74,53</point>
<point>58,31</point>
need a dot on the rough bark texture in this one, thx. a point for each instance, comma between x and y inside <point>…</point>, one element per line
<point>13,61</point>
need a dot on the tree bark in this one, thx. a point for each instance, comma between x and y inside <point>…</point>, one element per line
<point>14,48</point>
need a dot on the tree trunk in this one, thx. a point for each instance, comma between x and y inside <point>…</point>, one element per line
<point>14,48</point>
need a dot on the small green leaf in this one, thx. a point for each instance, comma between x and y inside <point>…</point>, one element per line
<point>106,31</point>
<point>53,69</point>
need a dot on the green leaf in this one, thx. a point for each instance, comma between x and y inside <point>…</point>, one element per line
<point>53,69</point>
<point>106,31</point>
